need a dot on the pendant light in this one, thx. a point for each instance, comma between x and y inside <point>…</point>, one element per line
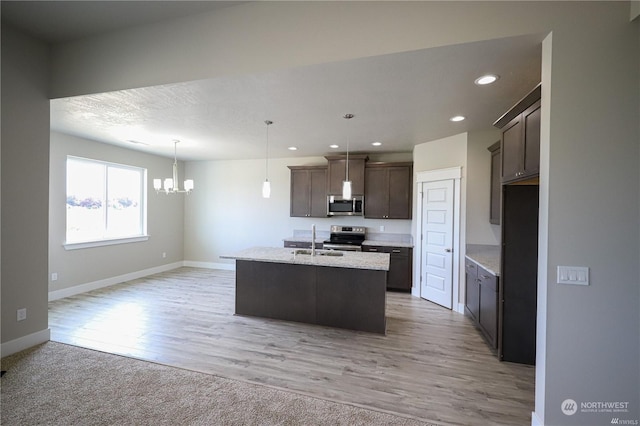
<point>346,185</point>
<point>266,185</point>
<point>171,184</point>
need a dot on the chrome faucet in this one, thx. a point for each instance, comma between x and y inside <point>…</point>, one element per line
<point>313,240</point>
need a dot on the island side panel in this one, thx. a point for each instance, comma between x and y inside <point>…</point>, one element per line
<point>276,290</point>
<point>352,298</point>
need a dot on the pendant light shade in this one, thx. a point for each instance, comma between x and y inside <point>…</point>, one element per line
<point>346,184</point>
<point>266,185</point>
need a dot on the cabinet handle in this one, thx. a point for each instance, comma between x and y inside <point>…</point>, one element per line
<point>484,277</point>
<point>373,249</point>
<point>395,251</point>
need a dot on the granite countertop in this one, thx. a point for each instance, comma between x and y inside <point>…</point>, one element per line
<point>486,256</point>
<point>353,260</point>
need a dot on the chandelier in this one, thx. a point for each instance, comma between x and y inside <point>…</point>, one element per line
<point>171,184</point>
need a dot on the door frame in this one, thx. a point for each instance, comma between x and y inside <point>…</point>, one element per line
<point>450,173</point>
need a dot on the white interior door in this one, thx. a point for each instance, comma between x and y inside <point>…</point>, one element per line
<point>436,279</point>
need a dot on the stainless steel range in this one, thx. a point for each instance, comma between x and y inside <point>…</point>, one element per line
<point>346,238</point>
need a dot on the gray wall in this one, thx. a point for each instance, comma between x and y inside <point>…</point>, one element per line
<point>588,336</point>
<point>25,193</point>
<point>165,214</point>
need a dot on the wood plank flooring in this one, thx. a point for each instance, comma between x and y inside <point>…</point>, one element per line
<point>432,364</point>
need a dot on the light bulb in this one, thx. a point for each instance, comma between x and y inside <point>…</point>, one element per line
<point>266,189</point>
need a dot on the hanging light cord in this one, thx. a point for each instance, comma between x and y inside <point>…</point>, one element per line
<point>266,176</point>
<point>348,117</point>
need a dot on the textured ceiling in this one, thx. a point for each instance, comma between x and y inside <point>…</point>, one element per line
<point>400,100</point>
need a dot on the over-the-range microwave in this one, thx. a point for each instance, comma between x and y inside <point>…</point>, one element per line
<point>338,206</point>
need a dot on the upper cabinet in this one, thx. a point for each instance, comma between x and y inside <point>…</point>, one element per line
<point>496,179</point>
<point>308,191</point>
<point>388,188</point>
<point>520,146</point>
<point>336,173</point>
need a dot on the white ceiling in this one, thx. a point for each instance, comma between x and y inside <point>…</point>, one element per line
<point>400,100</point>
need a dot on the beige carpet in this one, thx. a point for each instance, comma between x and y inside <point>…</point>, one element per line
<point>58,384</point>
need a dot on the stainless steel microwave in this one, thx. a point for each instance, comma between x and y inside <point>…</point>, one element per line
<point>338,206</point>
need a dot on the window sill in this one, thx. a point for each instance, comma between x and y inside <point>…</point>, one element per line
<point>100,243</point>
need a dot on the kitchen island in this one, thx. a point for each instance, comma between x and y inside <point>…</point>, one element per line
<point>336,289</point>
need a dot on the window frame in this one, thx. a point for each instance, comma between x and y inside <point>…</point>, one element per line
<point>143,236</point>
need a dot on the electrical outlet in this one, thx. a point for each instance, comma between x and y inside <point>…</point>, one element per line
<point>54,276</point>
<point>381,228</point>
<point>164,255</point>
<point>22,314</point>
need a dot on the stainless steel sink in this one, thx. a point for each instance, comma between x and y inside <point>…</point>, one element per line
<point>318,252</point>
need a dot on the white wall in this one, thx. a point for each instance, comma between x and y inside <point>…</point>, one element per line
<point>89,266</point>
<point>442,154</point>
<point>478,228</point>
<point>227,213</point>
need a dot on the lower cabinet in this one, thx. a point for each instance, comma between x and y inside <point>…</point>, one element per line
<point>400,262</point>
<point>482,300</point>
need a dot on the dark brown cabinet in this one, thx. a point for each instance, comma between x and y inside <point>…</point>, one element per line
<point>400,262</point>
<point>520,147</point>
<point>301,244</point>
<point>481,300</point>
<point>308,191</point>
<point>336,173</point>
<point>494,203</point>
<point>519,275</point>
<point>388,189</point>
<point>472,295</point>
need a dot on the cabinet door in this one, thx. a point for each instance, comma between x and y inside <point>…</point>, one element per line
<point>511,149</point>
<point>376,197</point>
<point>308,192</point>
<point>337,174</point>
<point>400,262</point>
<point>300,193</point>
<point>318,190</point>
<point>488,308</point>
<point>472,292</point>
<point>531,120</point>
<point>494,203</point>
<point>399,190</point>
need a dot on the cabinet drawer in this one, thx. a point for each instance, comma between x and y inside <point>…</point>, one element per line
<point>487,279</point>
<point>298,244</point>
<point>471,267</point>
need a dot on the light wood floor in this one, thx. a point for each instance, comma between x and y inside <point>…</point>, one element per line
<point>432,364</point>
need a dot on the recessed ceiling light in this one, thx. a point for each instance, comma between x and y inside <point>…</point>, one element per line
<point>376,143</point>
<point>292,148</point>
<point>457,118</point>
<point>486,79</point>
<point>334,146</point>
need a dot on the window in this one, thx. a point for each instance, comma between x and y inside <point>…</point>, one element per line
<point>105,202</point>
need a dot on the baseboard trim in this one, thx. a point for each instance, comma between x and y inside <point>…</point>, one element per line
<point>210,265</point>
<point>535,420</point>
<point>14,346</point>
<point>83,288</point>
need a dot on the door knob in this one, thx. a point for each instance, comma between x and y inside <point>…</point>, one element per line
<point>448,250</point>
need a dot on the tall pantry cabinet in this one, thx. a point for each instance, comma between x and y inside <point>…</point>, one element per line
<point>520,165</point>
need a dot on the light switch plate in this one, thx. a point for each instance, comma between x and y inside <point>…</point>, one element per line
<point>578,275</point>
